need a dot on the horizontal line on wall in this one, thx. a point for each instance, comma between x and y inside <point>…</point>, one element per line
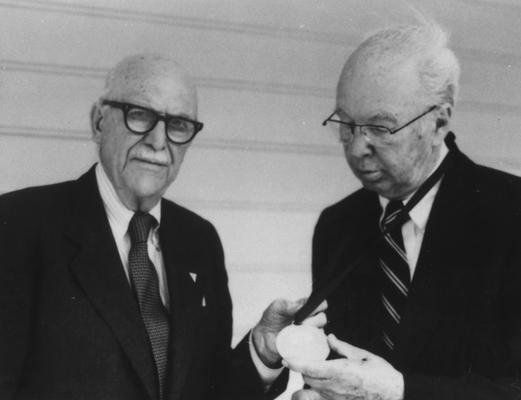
<point>44,133</point>
<point>482,107</point>
<point>226,144</point>
<point>251,205</point>
<point>221,83</point>
<point>266,87</point>
<point>180,21</point>
<point>249,268</point>
<point>243,28</point>
<point>236,85</point>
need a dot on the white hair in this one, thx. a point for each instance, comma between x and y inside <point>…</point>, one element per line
<point>427,45</point>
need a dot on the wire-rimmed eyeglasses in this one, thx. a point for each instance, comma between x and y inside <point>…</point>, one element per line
<point>141,120</point>
<point>373,133</point>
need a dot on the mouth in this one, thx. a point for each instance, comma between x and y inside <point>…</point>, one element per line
<point>150,162</point>
<point>369,175</point>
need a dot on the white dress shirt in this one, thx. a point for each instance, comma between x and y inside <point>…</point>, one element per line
<point>119,217</point>
<point>414,229</point>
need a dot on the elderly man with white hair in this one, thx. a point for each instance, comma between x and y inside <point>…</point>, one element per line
<point>426,256</point>
<point>108,291</point>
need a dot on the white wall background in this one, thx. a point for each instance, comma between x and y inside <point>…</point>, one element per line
<point>263,167</point>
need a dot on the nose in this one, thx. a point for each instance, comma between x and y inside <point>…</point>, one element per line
<point>156,138</point>
<point>359,145</point>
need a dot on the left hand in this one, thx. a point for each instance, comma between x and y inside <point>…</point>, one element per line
<point>278,315</point>
<point>360,375</point>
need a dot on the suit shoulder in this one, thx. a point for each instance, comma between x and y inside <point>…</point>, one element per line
<point>349,206</point>
<point>36,198</point>
<point>498,187</point>
<point>494,177</point>
<point>186,217</point>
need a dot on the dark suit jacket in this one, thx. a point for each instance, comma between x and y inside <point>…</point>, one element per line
<point>69,322</point>
<point>461,333</point>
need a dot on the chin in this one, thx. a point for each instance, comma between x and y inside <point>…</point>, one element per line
<point>380,188</point>
<point>145,189</point>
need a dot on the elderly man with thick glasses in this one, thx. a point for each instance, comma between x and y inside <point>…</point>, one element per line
<point>421,267</point>
<point>109,291</point>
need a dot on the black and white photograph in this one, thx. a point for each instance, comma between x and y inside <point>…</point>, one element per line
<point>260,200</point>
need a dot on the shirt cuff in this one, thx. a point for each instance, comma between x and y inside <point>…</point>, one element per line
<point>267,375</point>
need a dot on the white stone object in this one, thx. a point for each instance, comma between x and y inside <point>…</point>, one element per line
<point>303,342</point>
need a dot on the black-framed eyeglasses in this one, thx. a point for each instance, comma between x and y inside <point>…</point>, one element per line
<point>141,120</point>
<point>375,134</point>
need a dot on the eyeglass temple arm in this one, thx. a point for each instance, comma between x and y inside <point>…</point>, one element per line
<point>324,123</point>
<point>414,120</point>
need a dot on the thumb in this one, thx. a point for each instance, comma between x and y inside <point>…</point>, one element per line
<point>345,349</point>
<point>290,307</point>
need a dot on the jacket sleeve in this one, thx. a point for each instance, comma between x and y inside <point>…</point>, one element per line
<point>17,283</point>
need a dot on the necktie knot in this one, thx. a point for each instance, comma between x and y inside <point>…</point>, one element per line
<point>391,212</point>
<point>139,226</point>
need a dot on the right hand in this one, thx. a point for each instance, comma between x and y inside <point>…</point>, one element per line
<point>279,314</point>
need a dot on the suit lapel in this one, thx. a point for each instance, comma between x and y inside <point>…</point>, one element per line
<point>98,270</point>
<point>362,307</point>
<point>438,268</point>
<point>185,298</point>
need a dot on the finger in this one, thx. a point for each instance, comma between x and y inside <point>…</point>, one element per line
<point>312,369</point>
<point>321,307</point>
<point>284,307</point>
<point>306,394</point>
<point>347,350</point>
<point>288,307</point>
<point>319,320</point>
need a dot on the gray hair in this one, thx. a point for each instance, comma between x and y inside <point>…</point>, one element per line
<point>427,45</point>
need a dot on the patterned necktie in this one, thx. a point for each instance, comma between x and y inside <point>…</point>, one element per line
<point>146,286</point>
<point>396,274</point>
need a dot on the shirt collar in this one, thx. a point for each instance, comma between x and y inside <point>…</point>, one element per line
<point>118,214</point>
<point>420,212</point>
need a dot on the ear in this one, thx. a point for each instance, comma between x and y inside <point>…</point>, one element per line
<point>96,119</point>
<point>443,115</point>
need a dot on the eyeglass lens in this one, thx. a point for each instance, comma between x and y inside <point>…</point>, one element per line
<point>372,132</point>
<point>141,120</point>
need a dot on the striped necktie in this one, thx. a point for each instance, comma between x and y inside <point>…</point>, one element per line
<point>146,287</point>
<point>396,275</point>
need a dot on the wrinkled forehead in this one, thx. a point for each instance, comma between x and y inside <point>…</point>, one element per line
<point>152,81</point>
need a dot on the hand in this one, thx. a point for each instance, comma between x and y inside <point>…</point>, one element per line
<point>360,375</point>
<point>277,316</point>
